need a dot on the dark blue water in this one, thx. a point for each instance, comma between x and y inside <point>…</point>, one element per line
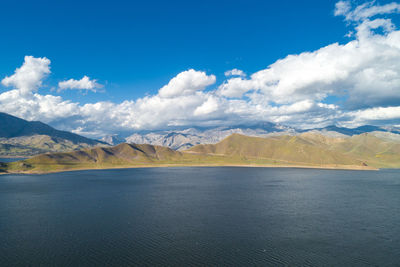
<point>201,216</point>
<point>11,159</point>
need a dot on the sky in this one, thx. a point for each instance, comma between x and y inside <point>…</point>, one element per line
<point>107,67</point>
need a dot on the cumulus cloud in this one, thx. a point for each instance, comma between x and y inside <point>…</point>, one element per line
<point>175,104</point>
<point>348,84</point>
<point>46,108</point>
<point>29,76</point>
<point>207,107</point>
<point>366,70</point>
<point>376,114</point>
<point>234,72</point>
<point>83,84</point>
<point>186,83</point>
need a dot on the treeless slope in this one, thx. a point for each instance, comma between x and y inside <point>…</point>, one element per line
<point>122,153</point>
<point>376,151</point>
<point>306,150</point>
<point>311,148</point>
<point>294,149</point>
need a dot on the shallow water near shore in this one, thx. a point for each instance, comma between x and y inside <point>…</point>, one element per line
<point>11,159</point>
<point>201,216</point>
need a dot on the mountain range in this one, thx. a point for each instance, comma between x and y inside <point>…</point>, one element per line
<point>310,150</point>
<point>186,138</point>
<point>21,138</point>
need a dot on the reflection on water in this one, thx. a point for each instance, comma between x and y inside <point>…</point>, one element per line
<point>201,216</point>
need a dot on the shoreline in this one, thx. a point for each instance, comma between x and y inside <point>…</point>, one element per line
<point>339,167</point>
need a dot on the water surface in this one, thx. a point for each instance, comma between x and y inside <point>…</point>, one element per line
<point>201,216</point>
<point>11,159</point>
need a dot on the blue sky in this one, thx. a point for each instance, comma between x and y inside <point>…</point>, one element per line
<point>132,49</point>
<point>135,47</point>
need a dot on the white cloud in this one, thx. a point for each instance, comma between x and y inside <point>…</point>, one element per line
<point>363,75</point>
<point>187,83</point>
<point>364,11</point>
<point>366,28</point>
<point>235,87</point>
<point>366,70</point>
<point>83,84</point>
<point>149,112</point>
<point>329,106</point>
<point>234,72</point>
<point>45,108</point>
<point>29,76</point>
<point>342,8</point>
<point>377,113</point>
<point>209,106</point>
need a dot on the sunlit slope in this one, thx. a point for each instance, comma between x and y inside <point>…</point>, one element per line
<point>379,150</point>
<point>373,150</point>
<point>99,157</point>
<point>305,150</point>
<point>293,149</point>
<point>122,155</point>
<point>310,148</point>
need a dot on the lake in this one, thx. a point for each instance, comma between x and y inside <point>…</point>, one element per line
<point>201,216</point>
<point>11,159</point>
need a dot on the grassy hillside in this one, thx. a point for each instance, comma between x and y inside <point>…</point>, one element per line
<point>293,149</point>
<point>310,148</point>
<point>120,156</point>
<point>307,150</point>
<point>371,149</point>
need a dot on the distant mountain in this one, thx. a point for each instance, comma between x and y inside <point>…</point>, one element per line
<point>184,139</point>
<point>358,130</point>
<point>364,151</point>
<point>19,137</point>
<point>11,126</point>
<point>114,139</point>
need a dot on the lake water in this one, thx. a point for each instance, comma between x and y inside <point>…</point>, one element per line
<point>11,159</point>
<point>201,216</point>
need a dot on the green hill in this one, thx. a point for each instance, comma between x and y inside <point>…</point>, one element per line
<point>364,151</point>
<point>120,156</point>
<point>310,149</point>
<point>291,149</point>
<point>371,149</point>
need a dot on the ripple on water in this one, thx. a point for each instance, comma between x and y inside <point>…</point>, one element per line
<point>201,216</point>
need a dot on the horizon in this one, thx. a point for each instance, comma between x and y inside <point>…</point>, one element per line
<point>349,72</point>
<point>260,125</point>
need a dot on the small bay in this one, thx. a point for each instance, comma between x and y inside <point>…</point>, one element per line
<point>11,159</point>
